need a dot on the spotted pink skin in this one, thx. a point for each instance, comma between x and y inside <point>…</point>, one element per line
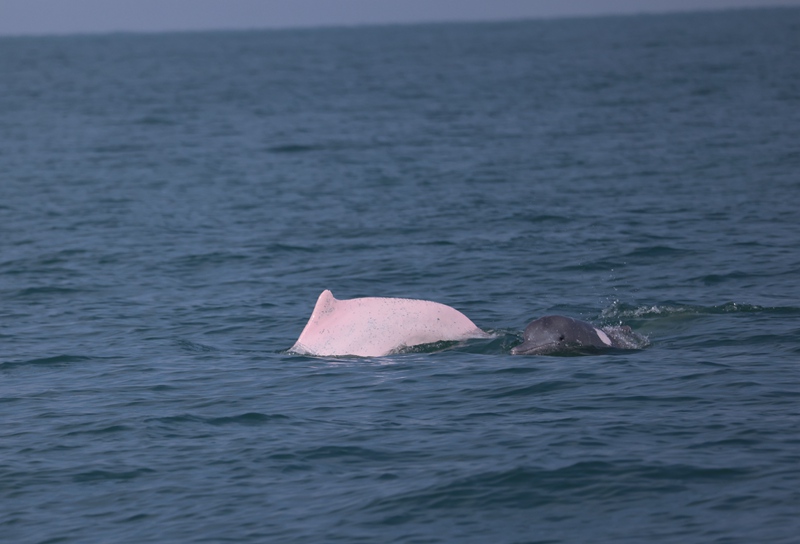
<point>373,327</point>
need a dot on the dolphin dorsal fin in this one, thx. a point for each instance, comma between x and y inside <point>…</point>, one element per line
<point>326,303</point>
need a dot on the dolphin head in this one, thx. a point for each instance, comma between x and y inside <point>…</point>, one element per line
<point>554,333</point>
<point>542,335</point>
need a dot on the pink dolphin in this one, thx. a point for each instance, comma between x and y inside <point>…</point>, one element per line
<point>371,327</point>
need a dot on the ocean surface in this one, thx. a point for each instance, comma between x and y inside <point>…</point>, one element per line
<point>172,205</point>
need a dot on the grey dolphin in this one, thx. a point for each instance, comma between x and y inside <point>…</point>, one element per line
<point>557,332</point>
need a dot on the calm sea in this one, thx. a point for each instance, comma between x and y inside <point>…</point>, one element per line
<point>171,206</point>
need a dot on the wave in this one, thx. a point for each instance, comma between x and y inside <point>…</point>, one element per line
<point>526,487</point>
<point>106,475</point>
<point>294,148</point>
<point>247,418</point>
<point>56,360</point>
<point>620,312</point>
<point>47,290</point>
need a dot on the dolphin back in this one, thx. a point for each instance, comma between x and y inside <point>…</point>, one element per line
<point>375,326</point>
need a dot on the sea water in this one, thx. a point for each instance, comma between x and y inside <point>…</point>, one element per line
<point>171,206</point>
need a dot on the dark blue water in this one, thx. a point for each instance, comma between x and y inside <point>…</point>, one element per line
<point>171,205</point>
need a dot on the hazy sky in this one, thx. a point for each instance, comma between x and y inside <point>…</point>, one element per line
<point>80,16</point>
